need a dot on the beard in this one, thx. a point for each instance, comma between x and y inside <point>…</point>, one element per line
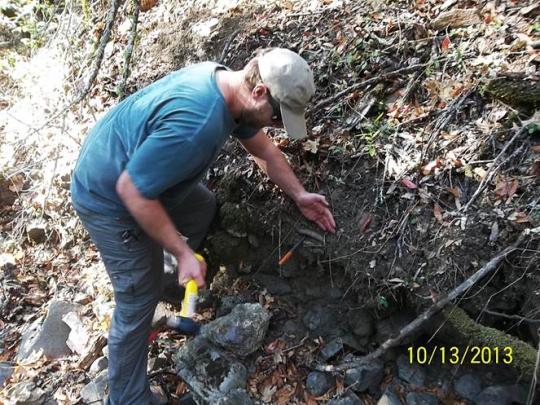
<point>251,118</point>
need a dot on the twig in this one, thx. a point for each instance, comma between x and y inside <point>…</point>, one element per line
<point>513,317</point>
<point>492,170</point>
<point>130,46</point>
<point>435,308</point>
<point>368,82</point>
<point>227,46</point>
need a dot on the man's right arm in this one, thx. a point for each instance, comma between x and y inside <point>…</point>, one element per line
<point>152,217</point>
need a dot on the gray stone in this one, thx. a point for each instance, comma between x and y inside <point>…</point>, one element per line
<point>321,320</point>
<point>94,391</point>
<point>331,348</point>
<point>50,336</point>
<point>411,373</point>
<point>236,397</point>
<point>274,285</point>
<point>294,328</point>
<point>502,395</point>
<point>390,327</point>
<point>361,322</point>
<point>389,397</point>
<point>6,369</point>
<point>227,303</point>
<point>366,376</point>
<point>25,393</point>
<point>242,331</point>
<point>318,383</point>
<point>468,386</point>
<point>421,398</point>
<point>100,364</point>
<point>210,372</point>
<point>349,399</point>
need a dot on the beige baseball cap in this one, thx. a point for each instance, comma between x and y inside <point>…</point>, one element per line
<point>290,81</point>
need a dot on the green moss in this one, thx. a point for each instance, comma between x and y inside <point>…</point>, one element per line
<point>466,331</point>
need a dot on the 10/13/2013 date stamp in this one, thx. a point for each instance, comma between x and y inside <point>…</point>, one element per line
<point>460,355</point>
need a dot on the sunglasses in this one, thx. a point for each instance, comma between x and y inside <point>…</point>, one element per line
<point>276,109</point>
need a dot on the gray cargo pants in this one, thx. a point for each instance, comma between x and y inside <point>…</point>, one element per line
<point>134,263</point>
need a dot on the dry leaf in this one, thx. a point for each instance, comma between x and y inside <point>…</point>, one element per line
<point>456,192</point>
<point>535,168</point>
<point>506,188</point>
<point>427,169</point>
<point>365,222</point>
<point>519,217</point>
<point>438,213</point>
<point>535,148</point>
<point>409,184</point>
<point>445,44</point>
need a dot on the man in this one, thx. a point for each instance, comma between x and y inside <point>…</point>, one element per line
<point>136,186</point>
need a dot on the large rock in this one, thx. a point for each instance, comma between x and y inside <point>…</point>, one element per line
<point>365,377</point>
<point>49,336</point>
<point>242,331</point>
<point>26,393</point>
<point>318,383</point>
<point>361,323</point>
<point>421,398</point>
<point>468,386</point>
<point>411,373</point>
<point>502,395</point>
<point>389,397</point>
<point>94,391</point>
<point>212,374</point>
<point>322,321</point>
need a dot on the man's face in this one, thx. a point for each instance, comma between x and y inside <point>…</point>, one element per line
<point>262,110</point>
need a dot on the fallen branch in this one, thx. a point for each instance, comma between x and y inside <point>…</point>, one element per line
<point>373,80</point>
<point>422,319</point>
<point>492,170</point>
<point>129,49</point>
<point>227,46</point>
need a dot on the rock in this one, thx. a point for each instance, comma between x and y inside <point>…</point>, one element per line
<point>6,369</point>
<point>321,320</point>
<point>390,327</point>
<point>366,376</point>
<point>318,383</point>
<point>227,303</point>
<point>295,328</point>
<point>210,372</point>
<point>349,399</point>
<point>421,398</point>
<point>456,18</point>
<point>242,331</point>
<point>331,348</point>
<point>274,285</point>
<point>25,393</point>
<point>361,322</point>
<point>236,397</point>
<point>502,395</point>
<point>78,335</point>
<point>36,232</point>
<point>51,336</point>
<point>468,386</point>
<point>411,373</point>
<point>389,397</point>
<point>94,391</point>
<point>99,365</point>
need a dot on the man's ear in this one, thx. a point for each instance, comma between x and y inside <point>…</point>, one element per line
<point>259,91</point>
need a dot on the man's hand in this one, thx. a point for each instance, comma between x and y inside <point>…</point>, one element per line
<point>191,268</point>
<point>315,208</point>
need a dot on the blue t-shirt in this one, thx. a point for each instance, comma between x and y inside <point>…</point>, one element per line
<point>166,135</point>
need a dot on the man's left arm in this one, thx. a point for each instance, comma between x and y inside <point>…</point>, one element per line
<point>271,160</point>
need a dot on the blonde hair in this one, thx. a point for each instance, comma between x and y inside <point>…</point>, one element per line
<point>252,75</point>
